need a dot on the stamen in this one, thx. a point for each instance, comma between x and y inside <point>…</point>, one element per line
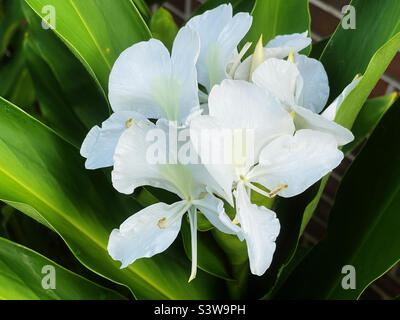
<point>164,223</point>
<point>292,114</point>
<point>277,189</point>
<point>271,194</point>
<point>238,59</point>
<point>235,220</point>
<point>129,123</point>
<point>358,76</point>
<point>256,189</point>
<point>291,56</point>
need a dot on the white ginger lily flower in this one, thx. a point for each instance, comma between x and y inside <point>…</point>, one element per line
<point>279,48</point>
<point>147,82</point>
<point>284,163</point>
<point>301,85</point>
<point>153,229</point>
<point>220,34</point>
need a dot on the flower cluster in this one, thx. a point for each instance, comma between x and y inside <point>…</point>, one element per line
<point>206,86</point>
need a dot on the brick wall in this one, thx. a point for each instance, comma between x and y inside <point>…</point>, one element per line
<point>325,15</point>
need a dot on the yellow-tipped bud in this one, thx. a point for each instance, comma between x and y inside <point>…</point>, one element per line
<point>258,57</point>
<point>358,76</point>
<point>292,113</point>
<point>291,56</point>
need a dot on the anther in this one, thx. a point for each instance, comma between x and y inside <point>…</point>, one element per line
<point>129,123</point>
<point>277,189</point>
<point>161,223</point>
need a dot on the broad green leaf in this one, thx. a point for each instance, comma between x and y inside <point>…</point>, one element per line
<point>354,51</point>
<point>364,224</point>
<point>236,252</point>
<point>163,27</point>
<point>369,117</point>
<point>97,31</point>
<point>210,257</point>
<point>143,9</point>
<point>23,273</point>
<point>318,48</point>
<point>44,177</point>
<point>278,17</point>
<point>237,5</point>
<point>69,79</point>
<point>294,262</point>
<point>10,21</point>
<point>54,108</point>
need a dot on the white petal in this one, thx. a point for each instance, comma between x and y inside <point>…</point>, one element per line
<point>242,105</point>
<point>185,53</point>
<point>296,161</point>
<point>280,46</point>
<point>330,112</point>
<point>279,77</point>
<point>145,79</point>
<point>208,140</point>
<point>213,209</point>
<point>260,228</point>
<point>146,155</point>
<point>100,143</point>
<point>140,237</point>
<point>220,33</point>
<point>306,119</point>
<point>315,86</point>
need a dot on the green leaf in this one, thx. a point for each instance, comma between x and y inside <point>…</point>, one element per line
<point>163,27</point>
<point>10,21</point>
<point>66,77</point>
<point>237,5</point>
<point>143,9</point>
<point>23,270</point>
<point>369,117</point>
<point>210,257</point>
<point>272,18</point>
<point>44,177</point>
<point>55,110</point>
<point>97,31</point>
<point>350,52</point>
<point>364,223</point>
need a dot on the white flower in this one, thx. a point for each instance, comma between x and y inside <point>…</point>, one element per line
<point>147,79</point>
<point>301,84</point>
<point>284,163</point>
<point>147,82</point>
<point>153,229</point>
<point>220,34</point>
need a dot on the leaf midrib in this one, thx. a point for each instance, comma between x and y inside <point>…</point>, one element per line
<point>90,33</point>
